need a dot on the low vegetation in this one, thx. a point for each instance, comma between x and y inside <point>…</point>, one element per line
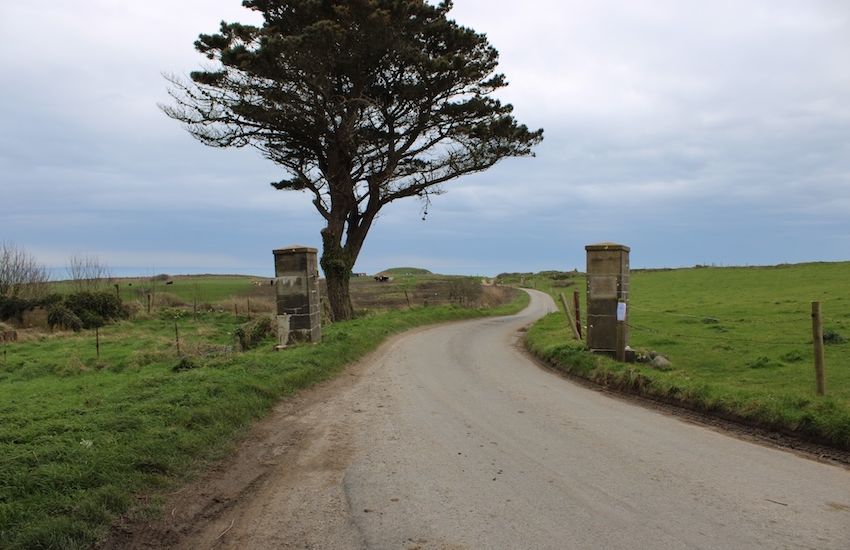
<point>405,271</point>
<point>739,340</point>
<point>74,311</point>
<point>86,436</point>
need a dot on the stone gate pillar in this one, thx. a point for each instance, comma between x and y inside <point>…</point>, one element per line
<point>607,292</point>
<point>296,270</point>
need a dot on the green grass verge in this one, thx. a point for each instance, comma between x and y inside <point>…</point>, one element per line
<point>739,340</point>
<point>80,437</point>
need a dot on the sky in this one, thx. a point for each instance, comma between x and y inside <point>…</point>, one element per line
<point>696,132</point>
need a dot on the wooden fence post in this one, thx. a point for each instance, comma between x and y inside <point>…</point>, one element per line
<point>177,337</point>
<point>577,307</point>
<point>97,341</point>
<point>621,342</point>
<point>570,320</point>
<point>817,341</point>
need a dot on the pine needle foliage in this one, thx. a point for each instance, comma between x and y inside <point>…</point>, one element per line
<point>360,102</point>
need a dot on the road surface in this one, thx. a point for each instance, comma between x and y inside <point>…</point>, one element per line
<point>450,437</point>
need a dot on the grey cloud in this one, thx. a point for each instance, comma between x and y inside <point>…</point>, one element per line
<point>695,130</point>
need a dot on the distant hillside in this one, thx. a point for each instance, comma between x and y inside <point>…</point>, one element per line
<point>405,271</point>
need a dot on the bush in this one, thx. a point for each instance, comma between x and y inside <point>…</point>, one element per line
<point>13,307</point>
<point>464,290</point>
<point>556,275</point>
<point>253,332</point>
<point>95,309</point>
<point>58,315</point>
<point>91,319</point>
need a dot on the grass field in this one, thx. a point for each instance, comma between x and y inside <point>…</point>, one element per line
<point>739,340</point>
<point>81,438</point>
<point>408,287</point>
<point>187,288</point>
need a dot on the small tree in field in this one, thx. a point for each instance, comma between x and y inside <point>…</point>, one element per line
<point>361,102</point>
<point>88,273</point>
<point>21,276</point>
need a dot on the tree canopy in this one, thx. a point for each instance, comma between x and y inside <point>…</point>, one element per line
<point>361,102</point>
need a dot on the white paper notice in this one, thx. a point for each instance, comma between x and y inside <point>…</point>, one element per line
<point>621,311</point>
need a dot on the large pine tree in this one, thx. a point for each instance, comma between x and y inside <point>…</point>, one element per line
<point>361,102</point>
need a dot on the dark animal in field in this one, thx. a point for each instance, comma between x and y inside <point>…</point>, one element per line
<point>382,278</point>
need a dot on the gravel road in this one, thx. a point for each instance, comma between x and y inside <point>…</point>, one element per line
<point>450,437</point>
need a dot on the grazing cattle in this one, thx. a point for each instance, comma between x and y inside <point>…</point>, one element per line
<point>382,278</point>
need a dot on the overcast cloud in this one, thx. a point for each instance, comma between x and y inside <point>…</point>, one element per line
<point>694,131</point>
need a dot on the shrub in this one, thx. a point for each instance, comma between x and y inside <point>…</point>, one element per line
<point>253,332</point>
<point>91,319</point>
<point>96,308</point>
<point>464,290</point>
<point>556,275</point>
<point>58,315</point>
<point>13,307</point>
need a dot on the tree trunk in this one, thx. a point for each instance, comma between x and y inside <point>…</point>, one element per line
<point>337,263</point>
<point>338,258</point>
<point>339,296</point>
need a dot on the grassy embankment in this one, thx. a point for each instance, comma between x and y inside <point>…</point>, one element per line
<point>81,437</point>
<point>739,340</point>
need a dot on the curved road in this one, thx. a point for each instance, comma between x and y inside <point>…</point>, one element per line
<point>449,437</point>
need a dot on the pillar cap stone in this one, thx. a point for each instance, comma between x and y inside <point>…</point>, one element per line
<point>606,246</point>
<point>294,249</point>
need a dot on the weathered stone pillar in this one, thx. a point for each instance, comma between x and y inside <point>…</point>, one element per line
<point>296,271</point>
<point>607,288</point>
